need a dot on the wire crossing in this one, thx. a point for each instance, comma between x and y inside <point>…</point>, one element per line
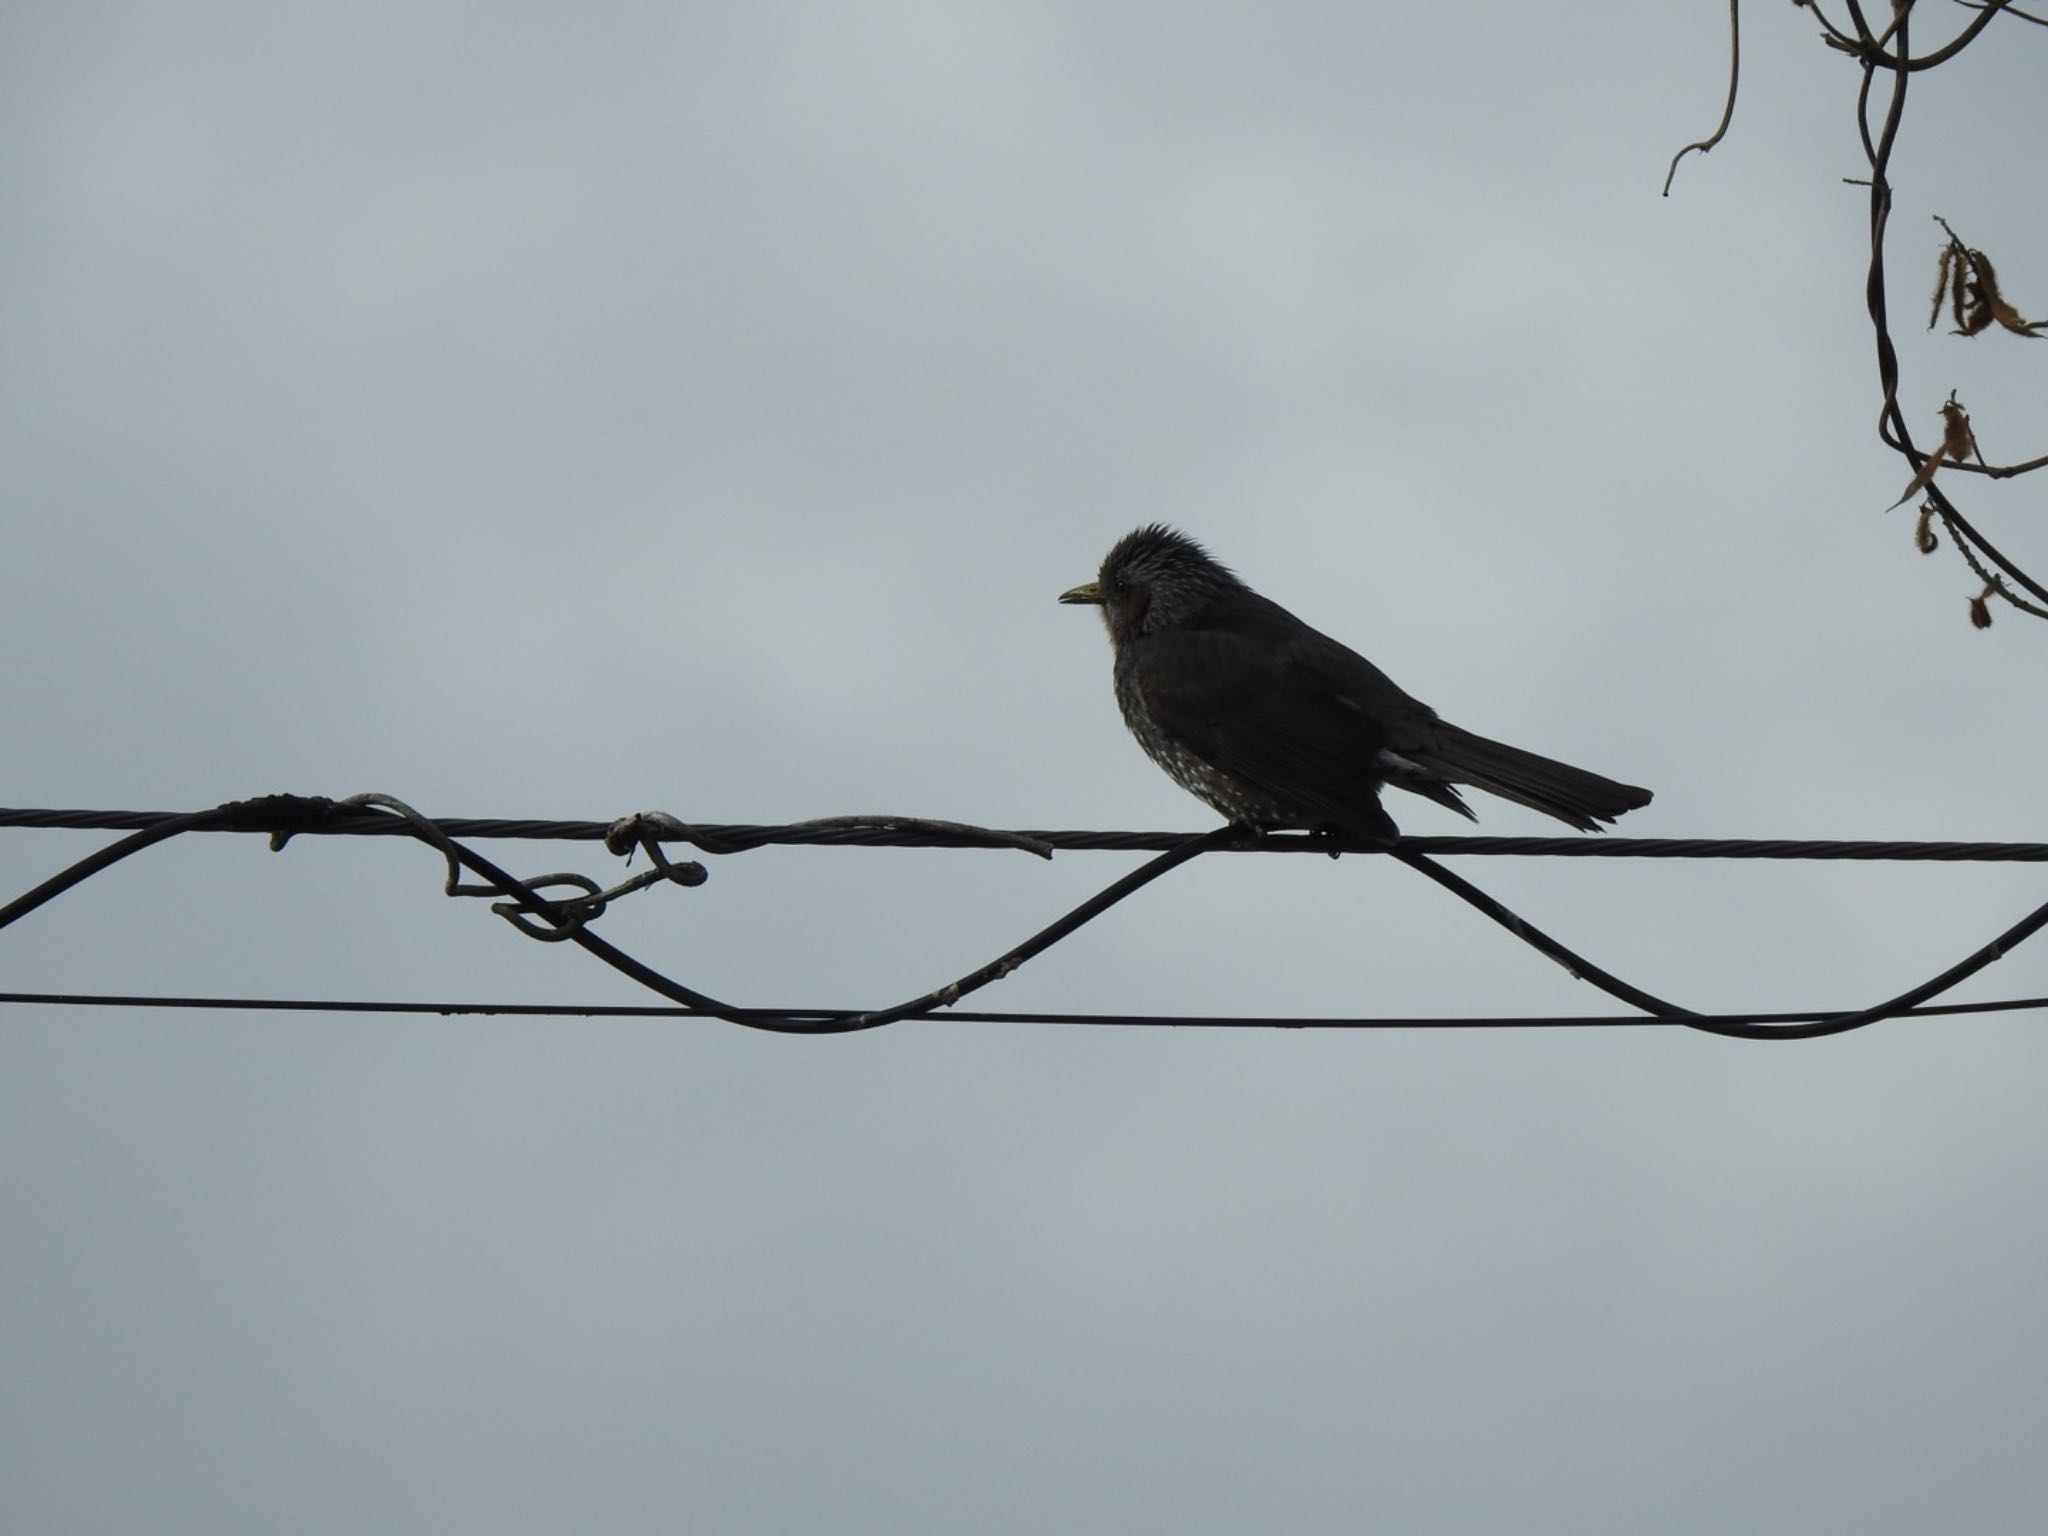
<point>569,915</point>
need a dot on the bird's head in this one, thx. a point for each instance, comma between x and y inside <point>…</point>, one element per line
<point>1154,579</point>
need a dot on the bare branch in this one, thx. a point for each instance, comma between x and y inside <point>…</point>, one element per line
<point>1728,111</point>
<point>2009,10</point>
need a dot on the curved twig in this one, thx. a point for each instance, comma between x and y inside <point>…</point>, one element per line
<point>1727,111</point>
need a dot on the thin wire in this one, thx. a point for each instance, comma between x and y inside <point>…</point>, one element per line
<point>972,1016</point>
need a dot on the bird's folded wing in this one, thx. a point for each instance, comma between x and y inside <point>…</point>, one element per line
<point>1285,710</point>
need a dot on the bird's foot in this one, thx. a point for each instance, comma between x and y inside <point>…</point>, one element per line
<point>1244,836</point>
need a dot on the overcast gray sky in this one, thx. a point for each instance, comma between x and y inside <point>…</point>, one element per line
<point>568,411</point>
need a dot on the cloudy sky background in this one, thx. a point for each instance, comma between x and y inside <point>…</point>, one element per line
<point>568,412</point>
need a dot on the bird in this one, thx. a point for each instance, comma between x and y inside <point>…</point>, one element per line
<point>1277,725</point>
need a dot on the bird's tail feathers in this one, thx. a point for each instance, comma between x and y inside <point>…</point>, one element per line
<point>1573,795</point>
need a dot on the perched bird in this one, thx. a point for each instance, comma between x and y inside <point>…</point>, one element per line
<point>1276,725</point>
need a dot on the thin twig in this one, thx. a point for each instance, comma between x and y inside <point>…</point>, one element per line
<point>1993,582</point>
<point>2009,10</point>
<point>1727,111</point>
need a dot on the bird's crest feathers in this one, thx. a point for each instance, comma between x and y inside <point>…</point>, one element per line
<point>1156,577</point>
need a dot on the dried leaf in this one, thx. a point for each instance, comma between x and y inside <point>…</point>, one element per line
<point>1980,611</point>
<point>2009,317</point>
<point>1923,533</point>
<point>1978,303</point>
<point>1942,283</point>
<point>1957,441</point>
<point>1920,481</point>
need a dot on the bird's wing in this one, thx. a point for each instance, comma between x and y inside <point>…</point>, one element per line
<point>1285,709</point>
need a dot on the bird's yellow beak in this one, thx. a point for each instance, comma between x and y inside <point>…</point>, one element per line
<point>1087,592</point>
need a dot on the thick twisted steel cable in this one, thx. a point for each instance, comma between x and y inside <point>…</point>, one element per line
<point>302,815</point>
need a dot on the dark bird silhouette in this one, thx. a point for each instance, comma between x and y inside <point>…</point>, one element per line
<point>1277,725</point>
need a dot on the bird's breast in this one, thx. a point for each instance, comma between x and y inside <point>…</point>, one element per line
<point>1233,796</point>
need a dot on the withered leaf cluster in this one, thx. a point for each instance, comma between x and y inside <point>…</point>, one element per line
<point>1968,283</point>
<point>1958,443</point>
